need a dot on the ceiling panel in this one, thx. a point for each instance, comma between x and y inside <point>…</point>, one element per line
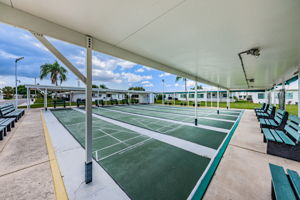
<point>201,38</point>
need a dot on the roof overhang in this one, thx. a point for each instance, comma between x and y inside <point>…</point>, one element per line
<point>199,40</point>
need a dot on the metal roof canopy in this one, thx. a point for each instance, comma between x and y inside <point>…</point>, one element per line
<point>196,39</point>
<point>65,88</point>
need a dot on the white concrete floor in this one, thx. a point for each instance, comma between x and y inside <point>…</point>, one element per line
<point>244,172</point>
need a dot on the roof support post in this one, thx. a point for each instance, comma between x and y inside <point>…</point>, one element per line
<point>218,100</point>
<point>299,92</point>
<point>211,104</point>
<point>88,114</point>
<point>28,98</point>
<point>196,104</point>
<point>174,99</point>
<point>228,102</point>
<point>206,99</point>
<point>45,99</point>
<point>55,52</point>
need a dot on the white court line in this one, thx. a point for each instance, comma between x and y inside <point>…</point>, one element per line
<point>172,121</point>
<point>180,143</point>
<point>126,149</point>
<point>199,111</point>
<point>183,115</point>
<point>212,160</point>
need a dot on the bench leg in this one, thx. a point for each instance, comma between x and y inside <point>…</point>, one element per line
<point>1,135</point>
<point>272,192</point>
<point>5,131</point>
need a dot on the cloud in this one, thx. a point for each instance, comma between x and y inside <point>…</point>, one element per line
<point>106,76</point>
<point>164,74</point>
<point>176,85</point>
<point>147,68</point>
<point>148,85</point>
<point>140,70</point>
<point>145,82</point>
<point>130,77</point>
<point>190,83</point>
<point>125,64</point>
<point>6,55</point>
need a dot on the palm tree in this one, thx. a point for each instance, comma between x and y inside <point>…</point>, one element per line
<point>57,72</point>
<point>178,78</point>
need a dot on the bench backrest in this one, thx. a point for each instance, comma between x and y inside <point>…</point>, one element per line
<point>281,116</point>
<point>292,128</point>
<point>266,108</point>
<point>271,110</point>
<point>6,109</point>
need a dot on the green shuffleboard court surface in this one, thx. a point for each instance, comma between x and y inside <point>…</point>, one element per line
<point>182,111</point>
<point>171,116</point>
<point>201,136</point>
<point>143,167</point>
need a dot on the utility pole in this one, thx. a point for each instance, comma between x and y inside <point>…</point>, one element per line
<point>16,76</point>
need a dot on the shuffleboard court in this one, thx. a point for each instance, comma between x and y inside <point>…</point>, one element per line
<point>176,117</point>
<point>143,167</point>
<point>209,110</point>
<point>201,113</point>
<point>201,136</point>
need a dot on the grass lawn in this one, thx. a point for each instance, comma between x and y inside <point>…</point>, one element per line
<point>292,109</point>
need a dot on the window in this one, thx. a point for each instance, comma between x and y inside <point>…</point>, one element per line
<point>224,95</point>
<point>260,95</point>
<point>200,96</point>
<point>191,95</point>
<point>289,95</point>
<point>183,96</point>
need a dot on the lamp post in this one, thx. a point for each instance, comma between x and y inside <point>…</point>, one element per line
<point>163,98</point>
<point>16,76</point>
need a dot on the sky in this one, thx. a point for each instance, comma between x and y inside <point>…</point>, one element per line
<point>115,73</point>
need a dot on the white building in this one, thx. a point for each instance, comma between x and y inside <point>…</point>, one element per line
<point>255,96</point>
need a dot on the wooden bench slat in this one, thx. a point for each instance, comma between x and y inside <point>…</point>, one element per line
<point>294,119</point>
<point>285,138</point>
<point>292,132</point>
<point>293,125</point>
<point>268,134</point>
<point>276,136</point>
<point>295,180</point>
<point>281,184</point>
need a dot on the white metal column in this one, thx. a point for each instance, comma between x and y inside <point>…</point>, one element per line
<point>174,99</point>
<point>88,115</point>
<point>196,104</point>
<point>211,105</point>
<point>227,99</point>
<point>299,92</point>
<point>28,98</point>
<point>206,99</point>
<point>188,96</point>
<point>274,99</point>
<point>45,99</point>
<point>218,99</point>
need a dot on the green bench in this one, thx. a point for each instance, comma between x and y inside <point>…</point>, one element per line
<point>278,122</point>
<point>284,143</point>
<point>284,186</point>
<point>80,102</point>
<point>9,111</point>
<point>9,123</point>
<point>99,102</point>
<point>265,109</point>
<point>268,115</point>
<point>57,102</point>
<point>261,108</point>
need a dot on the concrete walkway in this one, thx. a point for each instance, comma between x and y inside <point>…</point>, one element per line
<point>244,172</point>
<point>25,170</point>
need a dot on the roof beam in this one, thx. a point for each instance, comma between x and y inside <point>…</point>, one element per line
<point>63,59</point>
<point>39,25</point>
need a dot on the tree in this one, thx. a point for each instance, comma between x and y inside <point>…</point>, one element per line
<point>102,86</point>
<point>178,78</point>
<point>94,86</point>
<point>57,72</point>
<point>199,87</point>
<point>21,90</point>
<point>137,88</point>
<point>8,92</point>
